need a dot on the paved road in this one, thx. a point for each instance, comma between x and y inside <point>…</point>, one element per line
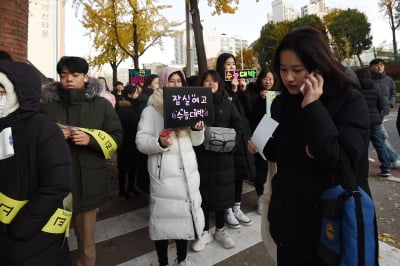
<point>122,232</point>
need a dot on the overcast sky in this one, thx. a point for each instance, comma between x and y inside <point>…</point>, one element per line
<point>246,22</point>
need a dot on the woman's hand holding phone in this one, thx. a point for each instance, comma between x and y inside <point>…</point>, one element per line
<point>312,88</point>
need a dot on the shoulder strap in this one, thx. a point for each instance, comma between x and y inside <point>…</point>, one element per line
<point>356,193</point>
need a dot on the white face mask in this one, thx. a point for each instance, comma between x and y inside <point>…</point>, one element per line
<point>2,104</point>
<point>2,100</point>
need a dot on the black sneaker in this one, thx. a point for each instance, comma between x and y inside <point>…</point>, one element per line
<point>384,174</point>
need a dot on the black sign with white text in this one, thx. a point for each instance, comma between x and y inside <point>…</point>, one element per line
<point>184,106</point>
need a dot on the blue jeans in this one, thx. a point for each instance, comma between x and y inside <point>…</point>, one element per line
<point>378,141</point>
<point>391,152</point>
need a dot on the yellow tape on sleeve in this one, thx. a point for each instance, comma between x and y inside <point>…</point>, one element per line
<point>9,208</point>
<point>58,222</point>
<point>106,142</point>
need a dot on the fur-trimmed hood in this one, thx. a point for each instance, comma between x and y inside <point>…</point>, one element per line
<point>51,91</point>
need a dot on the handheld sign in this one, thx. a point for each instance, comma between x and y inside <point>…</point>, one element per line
<point>138,76</point>
<point>270,97</point>
<point>184,106</point>
<point>240,74</point>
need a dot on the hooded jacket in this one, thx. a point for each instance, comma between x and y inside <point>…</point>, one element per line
<point>39,171</point>
<point>84,108</point>
<point>175,200</point>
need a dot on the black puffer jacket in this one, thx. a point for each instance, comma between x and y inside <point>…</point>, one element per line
<point>306,146</point>
<point>377,105</point>
<point>40,171</point>
<point>244,161</point>
<point>387,88</point>
<point>217,170</point>
<point>84,108</point>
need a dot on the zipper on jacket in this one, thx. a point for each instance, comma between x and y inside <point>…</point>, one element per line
<point>159,166</point>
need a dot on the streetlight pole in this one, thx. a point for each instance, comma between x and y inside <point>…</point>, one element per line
<point>241,52</point>
<point>189,56</point>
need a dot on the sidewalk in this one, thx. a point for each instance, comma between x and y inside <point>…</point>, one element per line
<point>388,255</point>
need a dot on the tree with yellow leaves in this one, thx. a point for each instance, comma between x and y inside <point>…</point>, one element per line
<point>124,28</point>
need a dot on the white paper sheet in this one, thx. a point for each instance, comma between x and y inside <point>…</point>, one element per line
<point>263,132</point>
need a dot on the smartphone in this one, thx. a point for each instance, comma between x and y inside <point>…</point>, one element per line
<point>302,88</point>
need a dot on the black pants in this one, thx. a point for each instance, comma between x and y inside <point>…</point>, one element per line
<point>238,189</point>
<point>219,219</point>
<point>261,174</point>
<point>125,168</point>
<point>284,260</point>
<point>162,250</point>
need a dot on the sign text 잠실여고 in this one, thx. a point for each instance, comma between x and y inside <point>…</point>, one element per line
<point>184,106</point>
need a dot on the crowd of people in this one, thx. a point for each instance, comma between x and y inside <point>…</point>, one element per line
<point>76,124</point>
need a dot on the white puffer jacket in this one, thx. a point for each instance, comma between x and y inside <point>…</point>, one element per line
<point>175,200</point>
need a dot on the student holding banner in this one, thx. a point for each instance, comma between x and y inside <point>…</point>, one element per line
<point>244,160</point>
<point>93,131</point>
<point>35,174</point>
<point>175,200</point>
<point>217,169</point>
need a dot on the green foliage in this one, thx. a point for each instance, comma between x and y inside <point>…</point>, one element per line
<point>272,33</point>
<point>310,20</point>
<point>350,33</point>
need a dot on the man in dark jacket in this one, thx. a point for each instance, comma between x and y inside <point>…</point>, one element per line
<point>377,107</point>
<point>35,174</point>
<point>93,131</point>
<point>387,90</point>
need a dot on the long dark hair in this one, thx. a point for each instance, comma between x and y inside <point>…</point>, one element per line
<point>263,74</point>
<point>149,80</point>
<point>313,51</point>
<point>221,62</point>
<point>220,94</point>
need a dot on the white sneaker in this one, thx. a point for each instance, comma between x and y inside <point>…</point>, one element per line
<point>396,164</point>
<point>205,238</point>
<point>259,206</point>
<point>224,238</point>
<point>242,218</point>
<point>231,220</point>
<point>187,262</point>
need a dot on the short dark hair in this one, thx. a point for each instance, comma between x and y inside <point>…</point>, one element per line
<point>129,89</point>
<point>376,61</point>
<point>73,64</point>
<point>118,83</point>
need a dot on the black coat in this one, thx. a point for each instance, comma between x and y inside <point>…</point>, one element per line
<point>306,146</point>
<point>217,170</point>
<point>244,161</point>
<point>377,104</point>
<point>40,171</point>
<point>258,105</point>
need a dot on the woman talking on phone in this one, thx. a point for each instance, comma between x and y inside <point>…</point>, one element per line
<point>317,122</point>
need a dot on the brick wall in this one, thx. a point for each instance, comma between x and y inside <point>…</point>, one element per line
<point>14,28</point>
